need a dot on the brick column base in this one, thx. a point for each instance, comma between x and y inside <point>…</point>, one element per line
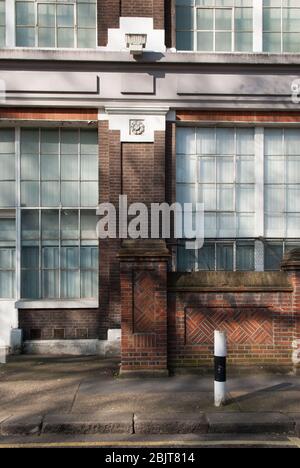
<point>291,264</point>
<point>144,307</point>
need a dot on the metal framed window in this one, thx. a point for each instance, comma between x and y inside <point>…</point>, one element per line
<point>214,25</point>
<point>48,23</point>
<point>7,255</point>
<point>216,166</point>
<point>229,255</point>
<point>275,250</point>
<point>281,26</point>
<point>2,23</point>
<point>249,181</point>
<point>58,185</point>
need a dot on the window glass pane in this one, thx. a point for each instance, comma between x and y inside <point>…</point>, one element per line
<point>25,15</point>
<point>29,167</point>
<point>70,194</point>
<point>89,284</point>
<point>89,167</point>
<point>49,167</point>
<point>185,41</point>
<point>225,141</point>
<point>291,19</point>
<point>293,170</point>
<point>30,225</point>
<point>292,198</point>
<point>225,195</point>
<point>29,193</point>
<point>291,141</point>
<point>25,37</point>
<point>2,36</point>
<point>225,169</point>
<point>70,284</point>
<point>86,14</point>
<point>65,16</point>
<point>209,196</point>
<point>205,19</point>
<point>69,167</point>
<point>186,259</point>
<point>245,141</point>
<point>224,257</point>
<point>243,42</point>
<point>65,37</point>
<point>7,141</point>
<point>88,142</point>
<point>273,142</point>
<point>46,37</point>
<point>245,257</point>
<point>89,193</point>
<point>7,166</point>
<point>223,19</point>
<point>243,19</point>
<point>245,170</point>
<point>49,141</point>
<point>272,19</point>
<point>274,198</point>
<point>46,15</point>
<point>206,141</point>
<point>186,169</point>
<point>205,41</point>
<point>272,42</point>
<point>7,229</point>
<point>273,256</point>
<point>69,224</point>
<point>291,42</point>
<point>86,38</point>
<point>185,141</point>
<point>7,194</point>
<point>88,224</point>
<point>245,198</point>
<point>223,42</point>
<point>7,284</point>
<point>30,284</point>
<point>50,194</point>
<point>206,257</point>
<point>50,224</point>
<point>186,193</point>
<point>50,284</point>
<point>50,257</point>
<point>274,169</point>
<point>29,141</point>
<point>69,141</point>
<point>207,171</point>
<point>70,257</point>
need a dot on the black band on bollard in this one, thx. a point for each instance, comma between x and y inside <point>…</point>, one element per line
<point>220,369</point>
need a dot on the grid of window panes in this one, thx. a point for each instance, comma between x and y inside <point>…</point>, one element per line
<point>282,183</point>
<point>59,254</point>
<point>2,23</point>
<point>275,250</point>
<point>59,168</point>
<point>60,23</point>
<point>215,166</point>
<point>281,26</point>
<point>59,171</point>
<point>7,168</point>
<point>7,257</point>
<point>214,25</point>
<point>217,256</point>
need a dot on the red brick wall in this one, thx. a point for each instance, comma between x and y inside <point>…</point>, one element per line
<point>260,327</point>
<point>72,321</point>
<point>109,12</point>
<point>48,114</point>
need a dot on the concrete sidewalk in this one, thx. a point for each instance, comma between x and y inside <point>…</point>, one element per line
<point>83,395</point>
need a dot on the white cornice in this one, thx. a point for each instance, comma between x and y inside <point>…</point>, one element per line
<point>153,110</point>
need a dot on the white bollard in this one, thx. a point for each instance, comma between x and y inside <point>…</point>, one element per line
<point>220,353</point>
<point>2,352</point>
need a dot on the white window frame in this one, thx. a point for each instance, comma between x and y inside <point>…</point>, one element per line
<point>258,32</point>
<point>10,35</point>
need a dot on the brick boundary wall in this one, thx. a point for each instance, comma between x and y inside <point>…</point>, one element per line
<point>259,327</point>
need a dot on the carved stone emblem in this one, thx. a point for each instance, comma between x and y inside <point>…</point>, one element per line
<point>136,127</point>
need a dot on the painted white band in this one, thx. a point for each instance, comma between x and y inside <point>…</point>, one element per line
<point>220,393</point>
<point>220,348</point>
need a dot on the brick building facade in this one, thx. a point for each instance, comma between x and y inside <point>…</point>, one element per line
<point>205,111</point>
